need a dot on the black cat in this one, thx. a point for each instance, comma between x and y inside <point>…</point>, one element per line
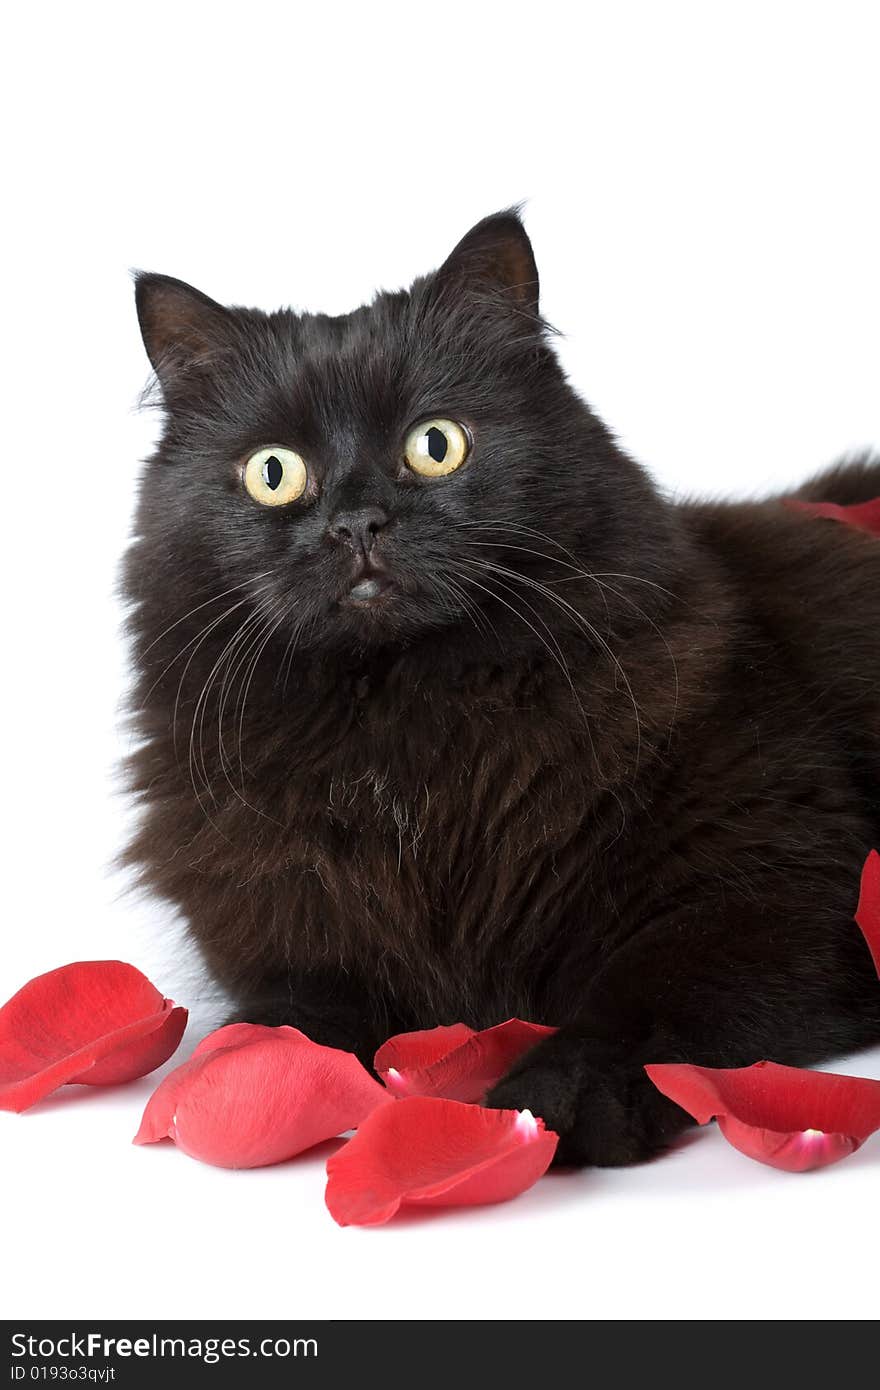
<point>447,714</point>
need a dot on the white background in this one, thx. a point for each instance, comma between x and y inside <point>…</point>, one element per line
<point>702,186</point>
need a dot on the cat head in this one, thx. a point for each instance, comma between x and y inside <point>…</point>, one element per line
<point>357,475</point>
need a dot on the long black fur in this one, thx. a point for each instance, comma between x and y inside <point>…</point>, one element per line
<point>598,760</point>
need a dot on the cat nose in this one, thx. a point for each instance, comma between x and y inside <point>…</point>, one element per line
<point>358,528</point>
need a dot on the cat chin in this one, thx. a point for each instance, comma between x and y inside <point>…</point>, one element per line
<point>381,621</point>
<point>356,629</point>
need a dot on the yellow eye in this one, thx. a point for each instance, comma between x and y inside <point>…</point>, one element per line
<point>436,447</point>
<point>275,477</point>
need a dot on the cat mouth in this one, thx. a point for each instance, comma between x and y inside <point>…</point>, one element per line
<point>370,589</point>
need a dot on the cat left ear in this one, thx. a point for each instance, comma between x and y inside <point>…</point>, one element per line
<point>180,326</point>
<point>496,253</point>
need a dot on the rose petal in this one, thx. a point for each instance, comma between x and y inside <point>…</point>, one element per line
<point>235,1034</point>
<point>794,1152</point>
<point>864,516</point>
<point>432,1152</point>
<point>414,1051</point>
<point>159,1115</point>
<point>91,1023</point>
<point>266,1095</point>
<point>868,910</point>
<point>140,1057</point>
<point>783,1116</point>
<point>455,1062</point>
<point>157,1120</point>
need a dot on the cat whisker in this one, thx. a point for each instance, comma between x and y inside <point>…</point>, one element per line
<point>480,621</point>
<point>609,789</point>
<point>233,657</point>
<point>204,810</point>
<point>557,655</point>
<point>517,527</point>
<point>640,579</point>
<point>199,713</point>
<point>234,661</point>
<point>580,573</point>
<point>522,529</point>
<point>236,655</point>
<point>587,627</point>
<point>659,632</point>
<point>285,665</point>
<point>274,622</point>
<point>194,642</point>
<point>233,588</point>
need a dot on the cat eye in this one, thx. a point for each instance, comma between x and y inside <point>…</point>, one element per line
<point>275,477</point>
<point>436,447</point>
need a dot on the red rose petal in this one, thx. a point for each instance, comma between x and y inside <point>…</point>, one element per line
<point>264,1096</point>
<point>414,1051</point>
<point>92,1023</point>
<point>432,1152</point>
<point>234,1034</point>
<point>864,516</point>
<point>156,1122</point>
<point>455,1062</point>
<point>140,1057</point>
<point>783,1116</point>
<point>795,1152</point>
<point>868,910</point>
<point>158,1117</point>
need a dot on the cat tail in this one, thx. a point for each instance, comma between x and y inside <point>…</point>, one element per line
<point>847,482</point>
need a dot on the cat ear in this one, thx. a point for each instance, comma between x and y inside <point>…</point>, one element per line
<point>180,326</point>
<point>496,253</point>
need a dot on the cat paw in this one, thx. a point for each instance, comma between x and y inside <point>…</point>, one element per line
<point>605,1110</point>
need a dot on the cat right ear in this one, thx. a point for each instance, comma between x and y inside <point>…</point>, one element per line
<point>181,327</point>
<point>497,254</point>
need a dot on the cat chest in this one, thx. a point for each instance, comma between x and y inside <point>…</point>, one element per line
<point>436,859</point>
